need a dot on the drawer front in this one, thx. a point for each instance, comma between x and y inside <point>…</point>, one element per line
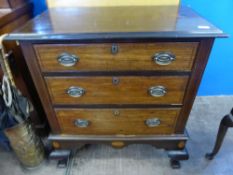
<point>116,57</point>
<point>117,90</point>
<point>117,121</point>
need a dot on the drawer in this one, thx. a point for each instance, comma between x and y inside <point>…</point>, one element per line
<point>117,121</point>
<point>116,57</point>
<point>117,90</point>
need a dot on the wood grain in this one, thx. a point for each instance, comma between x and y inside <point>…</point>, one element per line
<point>195,79</point>
<point>130,90</point>
<point>128,122</point>
<point>167,142</point>
<point>130,56</point>
<point>99,24</point>
<point>40,85</point>
<point>86,33</point>
<point>14,24</point>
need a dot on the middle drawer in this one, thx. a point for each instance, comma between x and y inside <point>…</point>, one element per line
<point>117,90</point>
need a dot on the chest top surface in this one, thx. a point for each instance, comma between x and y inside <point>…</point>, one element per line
<point>117,22</point>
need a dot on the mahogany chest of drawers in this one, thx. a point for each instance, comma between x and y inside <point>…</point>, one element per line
<point>118,75</point>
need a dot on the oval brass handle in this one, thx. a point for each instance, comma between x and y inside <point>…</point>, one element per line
<point>157,91</point>
<point>74,91</point>
<point>153,122</point>
<point>81,123</point>
<point>164,58</point>
<point>67,60</point>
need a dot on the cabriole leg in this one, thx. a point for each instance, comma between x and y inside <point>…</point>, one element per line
<point>226,122</point>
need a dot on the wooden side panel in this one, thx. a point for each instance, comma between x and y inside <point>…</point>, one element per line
<point>194,82</point>
<point>127,122</point>
<point>14,24</point>
<point>15,18</point>
<point>129,90</point>
<point>78,3</point>
<point>40,85</point>
<point>130,56</point>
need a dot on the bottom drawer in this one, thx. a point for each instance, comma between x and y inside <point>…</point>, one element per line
<point>117,121</point>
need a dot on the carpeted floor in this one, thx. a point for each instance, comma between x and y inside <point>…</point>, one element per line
<point>145,159</point>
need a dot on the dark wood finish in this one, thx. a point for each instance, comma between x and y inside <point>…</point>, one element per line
<point>11,15</point>
<point>226,122</point>
<point>14,24</point>
<point>40,85</point>
<point>176,156</point>
<point>130,90</point>
<point>117,22</point>
<point>195,79</point>
<point>168,142</point>
<point>130,56</point>
<point>183,32</point>
<point>117,121</point>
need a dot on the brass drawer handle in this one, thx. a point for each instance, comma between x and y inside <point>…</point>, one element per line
<point>67,60</point>
<point>153,122</point>
<point>164,58</point>
<point>74,91</point>
<point>157,91</point>
<point>81,123</point>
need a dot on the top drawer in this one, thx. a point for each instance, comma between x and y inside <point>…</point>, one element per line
<point>116,57</point>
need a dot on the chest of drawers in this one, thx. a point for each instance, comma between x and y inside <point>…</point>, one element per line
<point>118,75</point>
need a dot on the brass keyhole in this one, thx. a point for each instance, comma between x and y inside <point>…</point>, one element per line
<point>114,49</point>
<point>115,80</point>
<point>116,112</point>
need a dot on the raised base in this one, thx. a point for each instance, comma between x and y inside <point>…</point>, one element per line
<point>169,142</point>
<point>174,144</point>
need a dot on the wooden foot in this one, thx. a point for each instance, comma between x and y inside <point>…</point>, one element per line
<point>225,123</point>
<point>62,156</point>
<point>63,163</point>
<point>175,164</point>
<point>176,156</point>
